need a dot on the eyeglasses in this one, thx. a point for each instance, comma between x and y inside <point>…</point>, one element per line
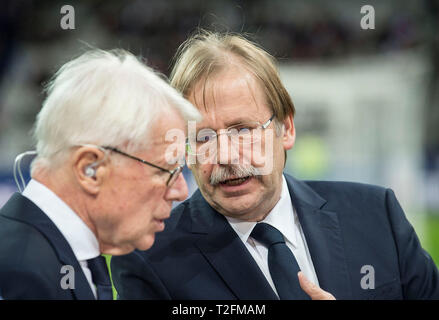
<point>173,173</point>
<point>242,133</point>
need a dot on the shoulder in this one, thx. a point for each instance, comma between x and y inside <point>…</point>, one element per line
<point>359,206</point>
<point>29,267</point>
<point>351,198</point>
<point>346,189</point>
<point>178,215</point>
<point>185,214</point>
<point>25,247</point>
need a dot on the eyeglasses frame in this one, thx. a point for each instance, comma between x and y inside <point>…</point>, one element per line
<point>263,126</point>
<point>175,172</point>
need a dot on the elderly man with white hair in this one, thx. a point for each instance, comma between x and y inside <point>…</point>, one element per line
<point>102,182</point>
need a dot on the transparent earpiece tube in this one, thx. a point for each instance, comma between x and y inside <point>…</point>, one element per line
<point>17,168</point>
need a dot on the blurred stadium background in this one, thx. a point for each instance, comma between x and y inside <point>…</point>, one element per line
<point>367,100</point>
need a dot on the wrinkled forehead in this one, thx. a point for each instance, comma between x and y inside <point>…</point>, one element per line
<point>167,124</point>
<point>229,95</point>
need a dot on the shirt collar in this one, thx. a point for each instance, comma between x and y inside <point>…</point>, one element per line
<point>282,217</point>
<point>79,236</point>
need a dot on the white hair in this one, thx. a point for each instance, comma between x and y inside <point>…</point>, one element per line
<point>105,98</point>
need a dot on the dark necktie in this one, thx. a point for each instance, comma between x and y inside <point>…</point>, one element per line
<point>281,262</point>
<point>101,278</point>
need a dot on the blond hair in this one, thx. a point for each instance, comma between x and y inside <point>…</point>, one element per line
<point>207,53</point>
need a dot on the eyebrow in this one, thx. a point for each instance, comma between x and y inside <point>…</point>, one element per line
<point>238,121</point>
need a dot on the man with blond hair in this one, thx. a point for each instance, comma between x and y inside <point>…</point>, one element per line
<point>254,232</point>
<point>101,181</point>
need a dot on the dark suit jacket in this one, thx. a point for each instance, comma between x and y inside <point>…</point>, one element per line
<point>346,226</point>
<point>32,253</point>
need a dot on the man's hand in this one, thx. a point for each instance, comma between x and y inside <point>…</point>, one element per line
<point>312,290</point>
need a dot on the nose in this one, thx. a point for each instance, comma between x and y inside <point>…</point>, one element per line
<point>178,191</point>
<point>228,150</point>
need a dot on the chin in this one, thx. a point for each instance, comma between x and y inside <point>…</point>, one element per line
<point>238,210</point>
<point>146,243</point>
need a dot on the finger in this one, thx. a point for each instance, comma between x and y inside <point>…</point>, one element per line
<point>312,290</point>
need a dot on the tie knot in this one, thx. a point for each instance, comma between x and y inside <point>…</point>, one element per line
<point>266,234</point>
<point>99,271</point>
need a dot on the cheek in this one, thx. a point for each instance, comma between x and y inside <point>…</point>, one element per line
<point>139,216</point>
<point>142,200</point>
<point>202,172</point>
<point>153,195</point>
<point>117,199</point>
<point>201,175</point>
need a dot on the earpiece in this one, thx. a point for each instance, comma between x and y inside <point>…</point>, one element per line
<point>90,171</point>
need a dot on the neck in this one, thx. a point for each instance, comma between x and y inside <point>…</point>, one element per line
<point>114,250</point>
<point>60,184</point>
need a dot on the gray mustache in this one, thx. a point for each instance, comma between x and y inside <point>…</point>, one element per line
<point>222,173</point>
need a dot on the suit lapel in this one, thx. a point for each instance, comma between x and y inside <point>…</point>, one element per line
<point>26,211</point>
<point>228,256</point>
<point>323,236</point>
<point>225,251</point>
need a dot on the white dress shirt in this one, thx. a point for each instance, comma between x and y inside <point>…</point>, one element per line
<point>284,218</point>
<point>79,236</point>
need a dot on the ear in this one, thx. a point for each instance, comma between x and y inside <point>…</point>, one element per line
<point>90,156</point>
<point>289,133</point>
